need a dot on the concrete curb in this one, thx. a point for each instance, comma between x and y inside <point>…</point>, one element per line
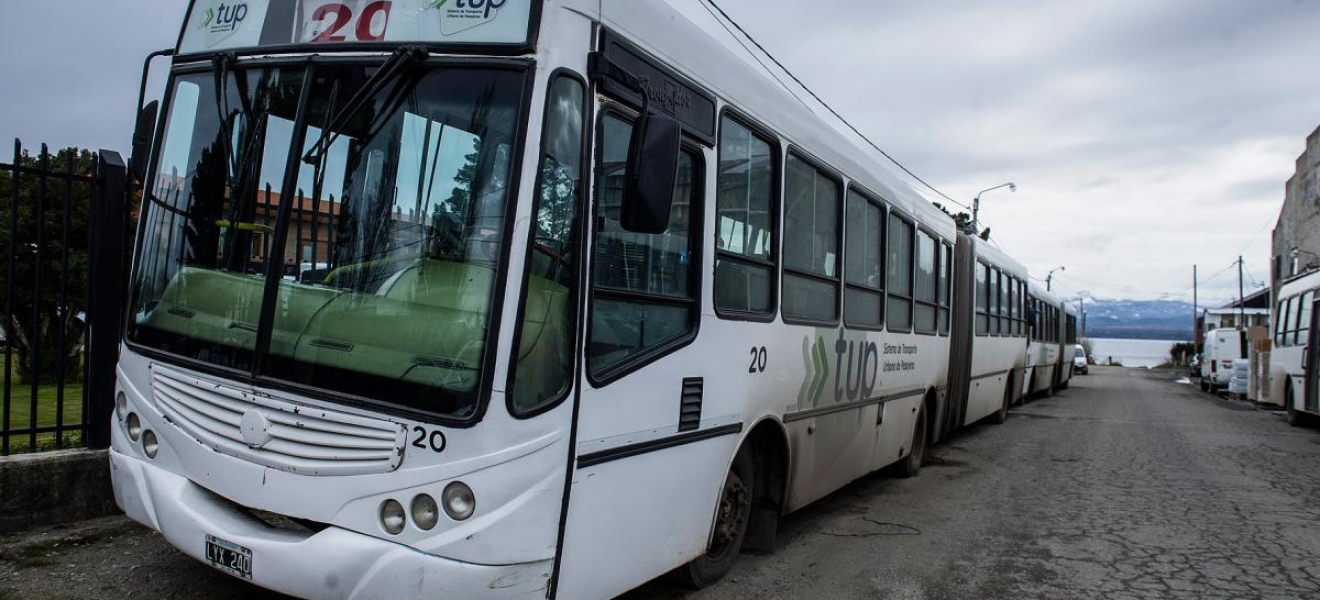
<point>38,490</point>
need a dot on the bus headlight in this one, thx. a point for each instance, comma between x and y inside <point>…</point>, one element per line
<point>150,445</point>
<point>425,513</point>
<point>460,502</point>
<point>392,517</point>
<point>134,426</point>
<point>121,406</point>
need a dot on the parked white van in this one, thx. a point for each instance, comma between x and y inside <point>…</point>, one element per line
<point>1222,347</point>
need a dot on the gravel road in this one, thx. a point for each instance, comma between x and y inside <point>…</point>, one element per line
<point>1128,485</point>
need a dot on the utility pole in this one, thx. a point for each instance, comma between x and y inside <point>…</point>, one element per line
<point>1196,310</point>
<point>1242,307</point>
<point>1081,314</point>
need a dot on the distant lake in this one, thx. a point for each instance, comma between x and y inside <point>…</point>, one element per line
<point>1131,353</point>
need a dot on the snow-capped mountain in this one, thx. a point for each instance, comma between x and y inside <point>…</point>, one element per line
<point>1138,319</point>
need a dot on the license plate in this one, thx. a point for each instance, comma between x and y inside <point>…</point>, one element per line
<point>229,557</point>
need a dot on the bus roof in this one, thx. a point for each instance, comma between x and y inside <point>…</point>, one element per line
<point>661,30</point>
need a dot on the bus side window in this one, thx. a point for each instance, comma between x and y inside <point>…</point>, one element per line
<point>864,298</point>
<point>982,299</point>
<point>1280,318</point>
<point>645,285</point>
<point>927,292</point>
<point>900,274</point>
<point>946,271</point>
<point>745,262</point>
<point>1303,334</point>
<point>811,243</point>
<point>544,359</point>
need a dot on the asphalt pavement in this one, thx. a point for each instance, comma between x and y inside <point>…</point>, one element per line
<point>1128,485</point>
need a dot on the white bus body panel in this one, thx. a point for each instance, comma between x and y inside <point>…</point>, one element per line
<point>1288,361</point>
<point>613,541</point>
<point>995,358</point>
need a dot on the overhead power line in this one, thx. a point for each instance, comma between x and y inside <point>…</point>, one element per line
<point>822,102</point>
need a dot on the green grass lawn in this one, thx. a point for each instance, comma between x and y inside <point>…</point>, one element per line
<point>20,414</point>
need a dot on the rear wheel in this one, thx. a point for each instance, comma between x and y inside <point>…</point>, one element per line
<point>1001,415</point>
<point>731,517</point>
<point>910,464</point>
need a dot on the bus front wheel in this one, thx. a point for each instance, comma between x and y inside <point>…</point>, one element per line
<point>731,517</point>
<point>1294,417</point>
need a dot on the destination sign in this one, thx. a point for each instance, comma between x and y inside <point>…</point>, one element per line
<point>222,25</point>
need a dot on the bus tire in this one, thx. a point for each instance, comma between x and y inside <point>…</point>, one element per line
<point>1001,415</point>
<point>911,464</point>
<point>731,517</point>
<point>1294,416</point>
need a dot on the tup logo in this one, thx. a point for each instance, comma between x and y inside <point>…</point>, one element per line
<point>224,18</point>
<point>461,15</point>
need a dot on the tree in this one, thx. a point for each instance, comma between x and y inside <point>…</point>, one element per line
<point>24,333</point>
<point>964,222</point>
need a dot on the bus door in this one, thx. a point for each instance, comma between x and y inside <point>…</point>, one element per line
<point>650,466</point>
<point>1309,357</point>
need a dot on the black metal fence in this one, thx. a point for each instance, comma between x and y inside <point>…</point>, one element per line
<point>49,219</point>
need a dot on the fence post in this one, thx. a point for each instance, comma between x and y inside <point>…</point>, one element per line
<point>106,296</point>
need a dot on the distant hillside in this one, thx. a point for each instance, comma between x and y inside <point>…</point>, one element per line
<point>1138,319</point>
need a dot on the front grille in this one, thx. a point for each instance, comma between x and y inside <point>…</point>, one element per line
<point>279,434</point>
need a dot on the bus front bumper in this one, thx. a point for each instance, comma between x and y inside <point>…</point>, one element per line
<point>332,564</point>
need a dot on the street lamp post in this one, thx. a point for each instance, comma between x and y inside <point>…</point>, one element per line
<point>1049,279</point>
<point>976,205</point>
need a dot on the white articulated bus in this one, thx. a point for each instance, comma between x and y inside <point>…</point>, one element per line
<point>592,301</point>
<point>1070,346</point>
<point>1045,352</point>
<point>1292,361</point>
<point>994,325</point>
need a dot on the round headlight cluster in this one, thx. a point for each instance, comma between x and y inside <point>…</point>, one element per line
<point>150,445</point>
<point>121,406</point>
<point>392,517</point>
<point>458,500</point>
<point>425,513</point>
<point>134,426</point>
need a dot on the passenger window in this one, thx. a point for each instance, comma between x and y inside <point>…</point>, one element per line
<point>864,299</point>
<point>745,267</point>
<point>1304,321</point>
<point>1005,328</point>
<point>946,274</point>
<point>644,291</point>
<point>900,274</point>
<point>927,285</point>
<point>811,243</point>
<point>1012,307</point>
<point>544,362</point>
<point>994,302</point>
<point>982,299</point>
<point>1280,324</point>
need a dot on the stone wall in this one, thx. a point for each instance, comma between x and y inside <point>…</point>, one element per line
<point>1299,221</point>
<point>54,487</point>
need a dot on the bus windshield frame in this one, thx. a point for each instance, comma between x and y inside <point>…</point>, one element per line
<point>447,382</point>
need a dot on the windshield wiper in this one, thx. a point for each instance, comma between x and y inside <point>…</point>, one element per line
<point>396,65</point>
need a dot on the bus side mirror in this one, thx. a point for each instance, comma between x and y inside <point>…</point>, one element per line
<point>142,138</point>
<point>652,174</point>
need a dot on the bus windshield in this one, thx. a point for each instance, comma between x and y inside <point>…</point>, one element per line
<point>386,255</point>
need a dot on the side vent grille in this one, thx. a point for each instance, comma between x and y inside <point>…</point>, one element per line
<point>689,411</point>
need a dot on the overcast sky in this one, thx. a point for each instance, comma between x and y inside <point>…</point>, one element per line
<point>1145,136</point>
